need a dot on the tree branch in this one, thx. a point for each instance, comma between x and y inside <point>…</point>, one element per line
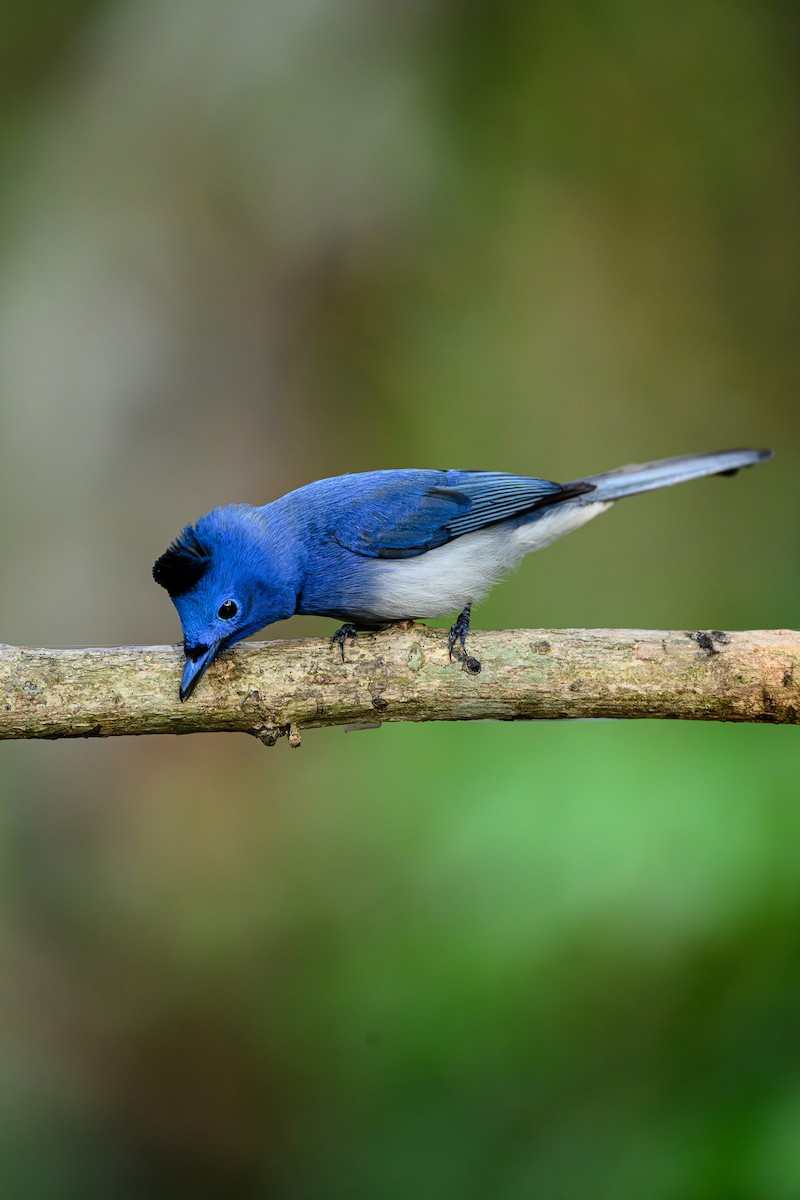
<point>403,674</point>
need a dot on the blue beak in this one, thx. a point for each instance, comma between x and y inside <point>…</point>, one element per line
<point>198,658</point>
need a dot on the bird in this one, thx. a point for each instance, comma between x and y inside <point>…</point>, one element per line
<point>378,547</point>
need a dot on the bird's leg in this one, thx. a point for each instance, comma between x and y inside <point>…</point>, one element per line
<point>458,633</point>
<point>342,634</point>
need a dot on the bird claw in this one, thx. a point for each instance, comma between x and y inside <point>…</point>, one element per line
<point>458,634</point>
<point>342,634</point>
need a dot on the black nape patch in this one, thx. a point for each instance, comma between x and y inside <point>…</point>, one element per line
<point>183,565</point>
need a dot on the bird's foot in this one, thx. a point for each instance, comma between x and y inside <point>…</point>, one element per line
<point>342,634</point>
<point>458,635</point>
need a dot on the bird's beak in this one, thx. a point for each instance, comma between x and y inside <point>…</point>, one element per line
<point>195,668</point>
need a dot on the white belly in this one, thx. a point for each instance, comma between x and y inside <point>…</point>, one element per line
<point>465,570</point>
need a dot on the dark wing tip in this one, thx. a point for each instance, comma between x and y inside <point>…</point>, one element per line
<point>580,487</point>
<point>183,564</point>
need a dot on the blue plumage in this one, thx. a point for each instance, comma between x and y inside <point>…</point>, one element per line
<point>399,514</point>
<point>383,546</point>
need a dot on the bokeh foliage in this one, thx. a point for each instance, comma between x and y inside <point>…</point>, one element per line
<point>250,244</point>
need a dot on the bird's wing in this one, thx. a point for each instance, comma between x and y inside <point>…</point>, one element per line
<point>399,514</point>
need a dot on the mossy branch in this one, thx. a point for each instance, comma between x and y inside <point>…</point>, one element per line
<point>403,674</point>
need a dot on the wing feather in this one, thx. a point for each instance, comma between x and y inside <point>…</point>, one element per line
<point>401,514</point>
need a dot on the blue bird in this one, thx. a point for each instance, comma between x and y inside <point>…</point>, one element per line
<point>384,546</point>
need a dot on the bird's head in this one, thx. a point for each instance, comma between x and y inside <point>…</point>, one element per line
<point>223,578</point>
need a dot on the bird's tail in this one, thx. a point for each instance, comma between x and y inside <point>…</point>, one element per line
<point>647,477</point>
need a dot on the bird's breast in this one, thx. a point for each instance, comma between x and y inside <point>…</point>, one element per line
<point>442,580</point>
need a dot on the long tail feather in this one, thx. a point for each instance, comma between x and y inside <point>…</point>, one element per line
<point>647,477</point>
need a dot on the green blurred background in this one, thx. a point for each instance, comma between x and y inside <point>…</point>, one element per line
<point>249,244</point>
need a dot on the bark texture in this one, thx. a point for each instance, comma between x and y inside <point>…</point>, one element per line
<point>271,689</point>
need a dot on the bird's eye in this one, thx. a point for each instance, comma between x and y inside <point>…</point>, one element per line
<point>228,609</point>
